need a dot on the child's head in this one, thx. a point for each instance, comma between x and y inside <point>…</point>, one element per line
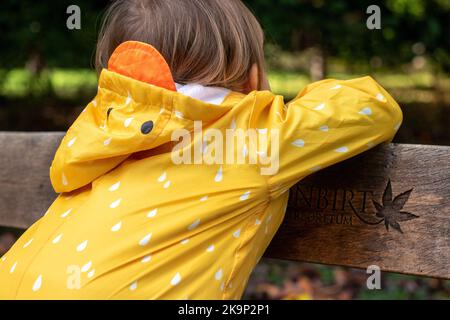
<point>210,42</point>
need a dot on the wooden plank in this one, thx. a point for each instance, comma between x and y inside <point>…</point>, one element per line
<point>341,225</point>
<point>25,187</point>
<point>324,229</point>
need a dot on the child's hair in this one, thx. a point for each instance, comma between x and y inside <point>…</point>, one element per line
<point>210,42</point>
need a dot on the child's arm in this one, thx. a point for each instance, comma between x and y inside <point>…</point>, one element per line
<point>330,121</point>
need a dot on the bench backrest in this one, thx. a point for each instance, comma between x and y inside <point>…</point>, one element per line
<point>331,216</point>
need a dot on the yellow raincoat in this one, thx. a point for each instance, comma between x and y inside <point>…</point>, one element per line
<point>129,223</point>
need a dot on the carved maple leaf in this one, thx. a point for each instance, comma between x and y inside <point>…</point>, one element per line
<point>390,211</point>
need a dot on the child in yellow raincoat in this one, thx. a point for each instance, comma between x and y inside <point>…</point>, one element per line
<point>132,220</point>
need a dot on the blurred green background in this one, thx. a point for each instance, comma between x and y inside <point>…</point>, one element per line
<point>46,78</point>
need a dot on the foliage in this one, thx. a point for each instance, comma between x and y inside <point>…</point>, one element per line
<point>273,279</point>
<point>70,83</point>
<point>31,30</point>
<point>409,28</point>
<point>36,32</point>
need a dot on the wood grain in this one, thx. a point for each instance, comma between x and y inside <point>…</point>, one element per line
<point>349,233</point>
<point>331,218</point>
<point>25,187</point>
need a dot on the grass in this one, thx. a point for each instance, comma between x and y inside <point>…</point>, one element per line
<point>64,83</point>
<point>68,83</point>
<point>289,84</point>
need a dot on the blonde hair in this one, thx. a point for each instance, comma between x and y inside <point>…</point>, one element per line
<point>210,42</point>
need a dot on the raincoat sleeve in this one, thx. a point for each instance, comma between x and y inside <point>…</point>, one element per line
<point>328,122</point>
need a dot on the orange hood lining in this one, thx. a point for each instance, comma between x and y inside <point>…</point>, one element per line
<point>142,62</point>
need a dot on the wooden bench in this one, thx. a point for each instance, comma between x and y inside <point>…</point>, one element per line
<point>331,217</point>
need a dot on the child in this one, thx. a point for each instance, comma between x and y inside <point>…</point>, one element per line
<point>130,222</point>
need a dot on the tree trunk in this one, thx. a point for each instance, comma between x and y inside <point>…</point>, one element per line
<point>318,64</point>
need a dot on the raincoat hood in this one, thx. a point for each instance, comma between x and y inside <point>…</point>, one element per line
<point>137,108</point>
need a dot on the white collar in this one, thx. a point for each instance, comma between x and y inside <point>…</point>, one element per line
<point>213,95</point>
